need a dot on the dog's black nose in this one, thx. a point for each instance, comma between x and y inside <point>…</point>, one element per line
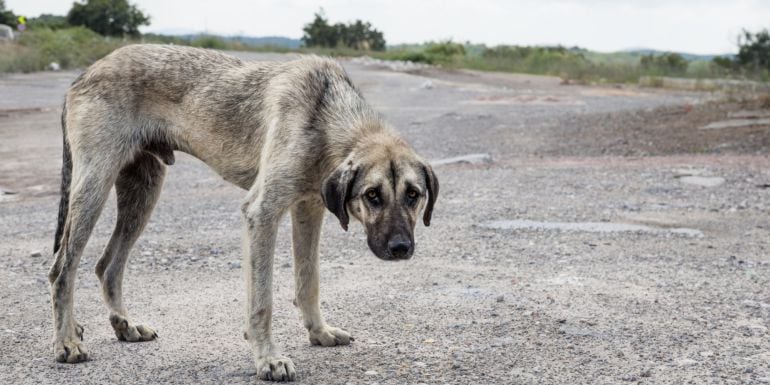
<point>399,248</point>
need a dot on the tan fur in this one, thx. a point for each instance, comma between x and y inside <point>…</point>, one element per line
<point>297,136</point>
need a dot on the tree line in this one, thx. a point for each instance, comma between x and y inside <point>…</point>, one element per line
<point>117,18</point>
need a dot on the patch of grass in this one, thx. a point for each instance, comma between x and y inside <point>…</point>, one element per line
<point>70,48</point>
<point>78,47</point>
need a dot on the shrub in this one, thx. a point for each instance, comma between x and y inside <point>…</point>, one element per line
<point>208,41</point>
<point>48,21</point>
<point>667,63</point>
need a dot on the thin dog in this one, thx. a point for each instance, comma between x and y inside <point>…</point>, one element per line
<point>297,135</point>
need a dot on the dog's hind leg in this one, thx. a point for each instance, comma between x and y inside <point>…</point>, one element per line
<point>306,219</point>
<point>137,188</point>
<point>91,182</point>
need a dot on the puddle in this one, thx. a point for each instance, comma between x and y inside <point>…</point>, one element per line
<point>590,227</point>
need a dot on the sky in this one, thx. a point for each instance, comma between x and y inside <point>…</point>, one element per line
<point>692,26</point>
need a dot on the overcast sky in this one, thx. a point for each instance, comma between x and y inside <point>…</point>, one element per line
<point>695,26</point>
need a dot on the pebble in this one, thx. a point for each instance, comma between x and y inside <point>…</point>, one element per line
<point>35,254</point>
<point>629,377</point>
<point>370,373</point>
<point>686,362</point>
<point>500,298</point>
<point>465,159</point>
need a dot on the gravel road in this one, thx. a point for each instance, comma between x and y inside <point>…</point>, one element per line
<point>604,238</point>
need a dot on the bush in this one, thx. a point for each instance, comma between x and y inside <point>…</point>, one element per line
<point>664,64</point>
<point>48,21</point>
<point>557,61</point>
<point>208,41</point>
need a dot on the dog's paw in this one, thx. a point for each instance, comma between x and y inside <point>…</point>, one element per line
<point>275,368</point>
<point>131,332</point>
<point>329,336</point>
<point>70,351</point>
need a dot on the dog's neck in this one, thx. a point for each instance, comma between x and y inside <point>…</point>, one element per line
<point>352,126</point>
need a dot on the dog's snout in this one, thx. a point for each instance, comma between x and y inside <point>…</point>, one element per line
<point>400,248</point>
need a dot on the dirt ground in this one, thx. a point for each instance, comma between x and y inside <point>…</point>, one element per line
<point>611,240</point>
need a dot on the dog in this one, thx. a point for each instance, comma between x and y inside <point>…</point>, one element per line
<point>297,135</point>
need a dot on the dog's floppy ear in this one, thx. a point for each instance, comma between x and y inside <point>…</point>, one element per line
<point>432,183</point>
<point>336,192</point>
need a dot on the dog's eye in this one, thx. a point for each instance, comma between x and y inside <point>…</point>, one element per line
<point>411,194</point>
<point>371,194</point>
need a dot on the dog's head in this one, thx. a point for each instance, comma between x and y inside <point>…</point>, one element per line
<point>384,185</point>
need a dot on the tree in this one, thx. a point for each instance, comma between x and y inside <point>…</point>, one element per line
<point>6,15</point>
<point>108,17</point>
<point>754,50</point>
<point>319,33</point>
<point>356,35</point>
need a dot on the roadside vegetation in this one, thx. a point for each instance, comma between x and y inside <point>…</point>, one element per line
<point>94,28</point>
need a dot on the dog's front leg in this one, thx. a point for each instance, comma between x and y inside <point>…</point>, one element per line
<point>306,219</point>
<point>261,218</point>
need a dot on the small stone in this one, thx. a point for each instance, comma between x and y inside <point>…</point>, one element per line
<point>500,298</point>
<point>646,372</point>
<point>686,362</point>
<point>475,159</point>
<point>751,304</point>
<point>35,254</point>
<point>629,377</point>
<point>707,353</point>
<point>420,364</point>
<point>370,373</point>
<point>234,264</point>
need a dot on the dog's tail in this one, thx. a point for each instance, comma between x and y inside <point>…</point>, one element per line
<point>66,179</point>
